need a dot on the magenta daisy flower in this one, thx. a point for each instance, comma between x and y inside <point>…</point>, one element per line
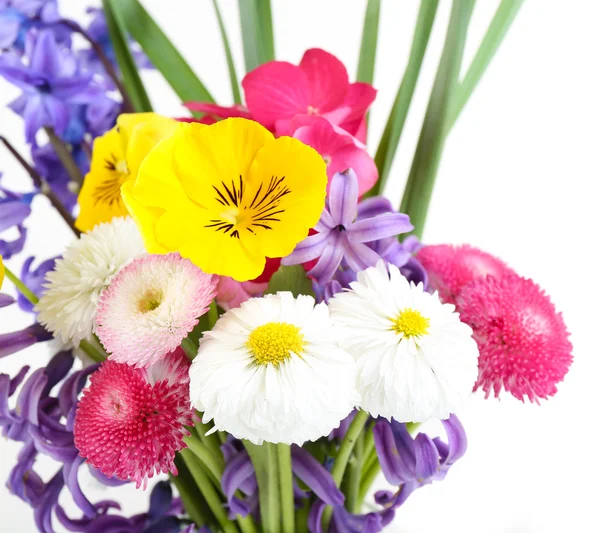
<point>150,307</point>
<point>450,268</point>
<point>131,422</point>
<point>523,342</point>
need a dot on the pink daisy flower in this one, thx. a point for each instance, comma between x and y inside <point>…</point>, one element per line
<point>131,422</point>
<point>523,342</point>
<point>450,268</point>
<point>150,307</point>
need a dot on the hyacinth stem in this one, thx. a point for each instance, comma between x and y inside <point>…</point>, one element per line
<point>40,183</point>
<point>65,156</point>
<point>91,351</point>
<point>367,479</point>
<point>108,66</point>
<point>301,517</point>
<point>343,456</point>
<point>264,460</point>
<point>211,496</point>
<point>286,487</point>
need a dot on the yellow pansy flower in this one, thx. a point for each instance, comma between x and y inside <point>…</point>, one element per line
<point>1,271</point>
<point>116,158</point>
<point>227,196</point>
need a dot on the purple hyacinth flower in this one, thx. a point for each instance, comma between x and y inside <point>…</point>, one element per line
<point>343,521</point>
<point>340,236</point>
<point>19,340</point>
<point>238,475</point>
<point>411,463</point>
<point>314,475</point>
<point>50,83</point>
<point>6,300</point>
<point>34,279</point>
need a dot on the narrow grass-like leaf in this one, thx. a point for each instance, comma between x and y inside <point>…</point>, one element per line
<point>117,30</point>
<point>265,17</point>
<point>368,47</point>
<point>251,34</point>
<point>235,89</point>
<point>161,52</point>
<point>503,18</point>
<point>264,460</point>
<point>421,179</point>
<point>395,123</point>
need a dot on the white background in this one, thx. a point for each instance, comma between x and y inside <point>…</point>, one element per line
<point>519,178</point>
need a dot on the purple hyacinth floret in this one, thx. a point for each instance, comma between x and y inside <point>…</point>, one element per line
<point>14,210</point>
<point>411,463</point>
<point>50,81</point>
<point>16,341</point>
<point>34,280</point>
<point>341,236</point>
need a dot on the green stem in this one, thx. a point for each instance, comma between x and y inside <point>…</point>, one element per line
<point>353,476</point>
<point>503,18</point>
<point>421,179</point>
<point>302,517</point>
<point>64,154</point>
<point>21,287</point>
<point>95,354</point>
<point>395,124</point>
<point>286,487</point>
<point>264,460</point>
<point>190,349</point>
<point>367,480</point>
<point>343,456</point>
<point>214,464</point>
<point>213,314</point>
<point>214,501</point>
<point>235,90</point>
<point>191,497</point>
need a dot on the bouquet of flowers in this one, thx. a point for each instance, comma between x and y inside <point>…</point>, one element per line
<point>240,307</point>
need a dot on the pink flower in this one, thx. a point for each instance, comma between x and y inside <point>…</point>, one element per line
<point>278,91</point>
<point>150,307</point>
<point>339,149</point>
<point>231,293</point>
<point>218,111</point>
<point>450,268</point>
<point>130,422</point>
<point>523,342</point>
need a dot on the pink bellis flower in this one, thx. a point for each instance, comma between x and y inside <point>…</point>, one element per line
<point>339,149</point>
<point>278,91</point>
<point>131,422</point>
<point>339,236</point>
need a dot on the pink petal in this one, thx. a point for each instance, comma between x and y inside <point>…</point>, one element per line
<point>276,91</point>
<point>217,110</point>
<point>318,133</point>
<point>359,98</point>
<point>327,80</point>
<point>358,160</point>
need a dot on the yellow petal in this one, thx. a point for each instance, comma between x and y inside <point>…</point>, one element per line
<point>145,219</point>
<point>1,271</point>
<point>144,136</point>
<point>295,204</point>
<point>216,156</point>
<point>100,198</point>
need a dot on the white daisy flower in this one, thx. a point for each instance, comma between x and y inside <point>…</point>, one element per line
<point>416,359</point>
<point>73,288</point>
<point>271,370</point>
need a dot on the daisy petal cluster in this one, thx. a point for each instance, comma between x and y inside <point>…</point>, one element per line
<point>415,359</point>
<point>131,422</point>
<point>272,370</point>
<point>68,306</point>
<point>150,307</point>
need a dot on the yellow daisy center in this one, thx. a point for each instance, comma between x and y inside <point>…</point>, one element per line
<point>410,323</point>
<point>272,342</point>
<point>150,300</point>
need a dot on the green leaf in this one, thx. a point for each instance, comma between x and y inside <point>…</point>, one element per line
<point>292,279</point>
<point>118,36</point>
<point>161,52</point>
<point>421,179</point>
<point>235,90</point>
<point>395,123</point>
<point>264,460</point>
<point>257,32</point>
<point>503,18</point>
<point>368,47</point>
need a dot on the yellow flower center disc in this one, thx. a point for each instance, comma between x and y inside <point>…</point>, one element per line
<point>273,342</point>
<point>410,323</point>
